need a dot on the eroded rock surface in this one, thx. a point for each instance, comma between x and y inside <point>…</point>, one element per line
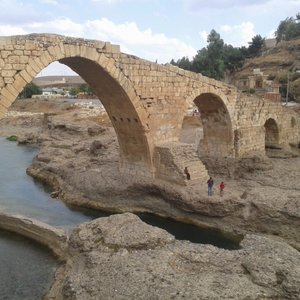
<point>120,257</point>
<point>123,258</point>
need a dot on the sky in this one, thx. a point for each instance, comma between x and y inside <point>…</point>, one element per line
<point>156,30</point>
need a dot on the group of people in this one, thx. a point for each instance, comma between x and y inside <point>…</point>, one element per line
<point>210,184</point>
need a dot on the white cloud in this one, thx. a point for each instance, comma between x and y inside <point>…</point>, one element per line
<point>204,34</point>
<point>20,12</point>
<point>52,2</point>
<point>226,28</point>
<point>222,4</point>
<point>143,43</point>
<point>271,34</point>
<point>238,35</point>
<point>106,1</point>
<point>62,26</point>
<point>6,30</point>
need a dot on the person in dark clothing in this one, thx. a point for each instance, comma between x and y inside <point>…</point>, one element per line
<point>210,184</point>
<point>186,172</point>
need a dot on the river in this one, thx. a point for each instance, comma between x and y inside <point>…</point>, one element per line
<point>27,269</point>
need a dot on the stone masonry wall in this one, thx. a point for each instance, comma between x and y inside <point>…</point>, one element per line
<point>250,118</point>
<point>171,159</point>
<point>145,101</point>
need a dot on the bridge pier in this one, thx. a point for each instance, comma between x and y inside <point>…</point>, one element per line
<point>171,159</point>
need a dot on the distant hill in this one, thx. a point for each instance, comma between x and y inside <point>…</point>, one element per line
<point>276,62</point>
<point>58,81</point>
<point>285,56</point>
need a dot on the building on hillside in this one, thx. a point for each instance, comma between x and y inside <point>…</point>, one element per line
<point>269,44</point>
<point>52,93</point>
<point>65,82</point>
<point>259,83</point>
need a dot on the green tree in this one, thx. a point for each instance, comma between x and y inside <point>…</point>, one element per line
<point>183,63</point>
<point>288,29</point>
<point>209,61</point>
<point>255,45</point>
<point>83,88</point>
<point>30,90</point>
<point>74,91</point>
<point>233,58</point>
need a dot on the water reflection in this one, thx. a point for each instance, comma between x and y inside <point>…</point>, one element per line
<point>21,194</point>
<point>192,233</point>
<point>27,269</point>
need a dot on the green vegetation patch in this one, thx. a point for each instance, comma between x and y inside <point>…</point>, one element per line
<point>12,138</point>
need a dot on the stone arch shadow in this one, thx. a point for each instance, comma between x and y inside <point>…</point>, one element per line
<point>217,138</point>
<point>271,133</point>
<point>112,88</point>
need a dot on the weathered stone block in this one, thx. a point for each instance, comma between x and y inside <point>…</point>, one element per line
<point>23,59</point>
<point>26,76</point>
<point>29,46</point>
<point>8,73</point>
<point>8,80</point>
<point>5,53</point>
<point>5,102</point>
<point>18,67</point>
<point>19,83</point>
<point>10,47</point>
<point>18,52</point>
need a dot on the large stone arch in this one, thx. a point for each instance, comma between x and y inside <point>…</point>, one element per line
<point>217,126</point>
<point>147,103</point>
<point>111,86</point>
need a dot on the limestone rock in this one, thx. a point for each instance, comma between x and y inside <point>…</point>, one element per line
<point>121,258</point>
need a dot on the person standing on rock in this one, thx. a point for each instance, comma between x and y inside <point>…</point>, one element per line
<point>210,184</point>
<point>222,186</point>
<point>187,173</point>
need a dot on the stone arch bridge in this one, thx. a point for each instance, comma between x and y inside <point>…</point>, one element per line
<point>147,103</point>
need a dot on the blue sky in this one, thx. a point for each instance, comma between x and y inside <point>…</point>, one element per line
<point>151,29</point>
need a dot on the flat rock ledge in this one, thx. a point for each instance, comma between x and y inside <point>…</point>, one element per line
<point>120,257</point>
<point>53,238</point>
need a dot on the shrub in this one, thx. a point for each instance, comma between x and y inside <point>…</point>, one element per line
<point>271,76</point>
<point>12,138</point>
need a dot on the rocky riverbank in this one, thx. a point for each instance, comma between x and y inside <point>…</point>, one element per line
<point>78,158</point>
<point>120,257</point>
<point>53,238</point>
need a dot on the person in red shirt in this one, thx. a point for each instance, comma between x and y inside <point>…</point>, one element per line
<point>222,186</point>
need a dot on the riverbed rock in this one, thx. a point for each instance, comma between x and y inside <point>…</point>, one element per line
<point>54,238</point>
<point>120,257</point>
<point>80,159</point>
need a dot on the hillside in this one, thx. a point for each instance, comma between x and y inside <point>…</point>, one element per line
<point>280,63</point>
<point>58,81</point>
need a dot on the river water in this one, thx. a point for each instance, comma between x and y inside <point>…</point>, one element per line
<point>21,194</point>
<point>27,269</point>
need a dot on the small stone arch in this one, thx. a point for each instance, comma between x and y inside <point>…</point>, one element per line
<point>217,128</point>
<point>271,133</point>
